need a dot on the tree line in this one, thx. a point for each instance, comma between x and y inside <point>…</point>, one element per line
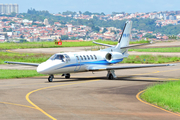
<point>96,23</point>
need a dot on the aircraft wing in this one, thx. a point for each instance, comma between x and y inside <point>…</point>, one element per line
<point>134,46</point>
<point>22,63</point>
<point>99,68</point>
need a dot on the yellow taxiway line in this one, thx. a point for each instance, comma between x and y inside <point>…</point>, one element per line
<point>138,94</point>
<point>38,108</point>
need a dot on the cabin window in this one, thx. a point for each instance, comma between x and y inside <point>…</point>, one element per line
<point>84,57</point>
<point>81,57</point>
<point>88,57</point>
<point>91,57</point>
<point>95,57</point>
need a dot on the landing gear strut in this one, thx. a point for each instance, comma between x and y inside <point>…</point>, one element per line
<point>111,75</point>
<point>67,75</point>
<point>50,79</point>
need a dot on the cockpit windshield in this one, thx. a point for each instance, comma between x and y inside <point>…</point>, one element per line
<point>62,57</point>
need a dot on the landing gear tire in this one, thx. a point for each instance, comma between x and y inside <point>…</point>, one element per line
<point>67,76</point>
<point>110,77</point>
<point>50,79</point>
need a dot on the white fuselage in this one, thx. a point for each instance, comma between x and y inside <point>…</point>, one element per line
<point>77,61</point>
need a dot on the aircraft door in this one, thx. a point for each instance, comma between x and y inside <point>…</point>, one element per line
<point>78,63</point>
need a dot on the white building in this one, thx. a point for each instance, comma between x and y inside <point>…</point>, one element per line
<point>69,27</point>
<point>46,22</point>
<point>9,8</point>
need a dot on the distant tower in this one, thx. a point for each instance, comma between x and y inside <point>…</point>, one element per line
<point>165,17</point>
<point>46,22</point>
<point>69,27</point>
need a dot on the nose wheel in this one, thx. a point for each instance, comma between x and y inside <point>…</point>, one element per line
<point>50,79</point>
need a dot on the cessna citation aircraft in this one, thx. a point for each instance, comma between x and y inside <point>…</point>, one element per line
<point>72,62</point>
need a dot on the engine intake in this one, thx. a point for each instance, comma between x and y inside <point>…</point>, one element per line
<point>113,57</point>
<point>108,56</point>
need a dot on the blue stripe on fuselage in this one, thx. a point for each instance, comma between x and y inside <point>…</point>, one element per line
<point>101,62</point>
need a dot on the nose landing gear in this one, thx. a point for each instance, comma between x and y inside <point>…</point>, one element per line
<point>50,79</point>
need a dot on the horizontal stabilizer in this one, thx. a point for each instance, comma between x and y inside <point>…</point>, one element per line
<point>22,63</point>
<point>133,46</point>
<point>103,44</point>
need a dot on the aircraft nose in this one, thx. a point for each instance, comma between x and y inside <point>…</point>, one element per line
<point>42,69</point>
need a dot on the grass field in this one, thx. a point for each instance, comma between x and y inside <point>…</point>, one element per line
<point>166,95</point>
<point>23,57</point>
<point>4,46</point>
<point>39,58</point>
<point>171,49</point>
<point>7,74</point>
<point>150,59</point>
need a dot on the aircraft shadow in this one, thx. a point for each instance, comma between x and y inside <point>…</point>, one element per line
<point>146,78</point>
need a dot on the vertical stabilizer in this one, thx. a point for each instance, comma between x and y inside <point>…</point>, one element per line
<point>125,37</point>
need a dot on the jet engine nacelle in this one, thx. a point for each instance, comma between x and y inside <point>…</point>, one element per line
<point>113,56</point>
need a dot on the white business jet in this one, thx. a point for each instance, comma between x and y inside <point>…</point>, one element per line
<point>72,62</point>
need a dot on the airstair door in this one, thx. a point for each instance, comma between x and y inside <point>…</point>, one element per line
<point>78,63</point>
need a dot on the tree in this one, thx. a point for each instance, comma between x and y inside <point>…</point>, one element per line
<point>73,38</point>
<point>4,20</point>
<point>22,36</point>
<point>95,29</point>
<point>149,36</point>
<point>87,13</point>
<point>64,37</point>
<point>69,13</point>
<point>104,30</point>
<point>12,22</point>
<point>13,14</point>
<point>102,13</point>
<point>80,12</point>
<point>23,40</point>
<point>4,30</point>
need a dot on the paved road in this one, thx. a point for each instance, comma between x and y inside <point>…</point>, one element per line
<point>85,96</point>
<point>77,49</point>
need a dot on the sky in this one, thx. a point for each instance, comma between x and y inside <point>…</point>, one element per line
<point>106,6</point>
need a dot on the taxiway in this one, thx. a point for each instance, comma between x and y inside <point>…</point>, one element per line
<point>85,96</point>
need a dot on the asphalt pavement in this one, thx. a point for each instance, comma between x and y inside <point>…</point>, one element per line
<point>85,96</point>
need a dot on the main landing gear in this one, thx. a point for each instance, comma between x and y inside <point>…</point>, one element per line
<point>51,77</point>
<point>67,75</point>
<point>111,75</point>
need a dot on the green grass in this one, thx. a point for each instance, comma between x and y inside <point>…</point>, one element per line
<point>166,95</point>
<point>139,42</point>
<point>150,59</point>
<point>7,74</point>
<point>172,49</point>
<point>4,46</point>
<point>23,57</point>
<point>39,58</point>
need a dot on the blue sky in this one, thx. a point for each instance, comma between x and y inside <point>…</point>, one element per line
<point>106,6</point>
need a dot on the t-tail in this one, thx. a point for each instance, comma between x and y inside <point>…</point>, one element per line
<point>123,42</point>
